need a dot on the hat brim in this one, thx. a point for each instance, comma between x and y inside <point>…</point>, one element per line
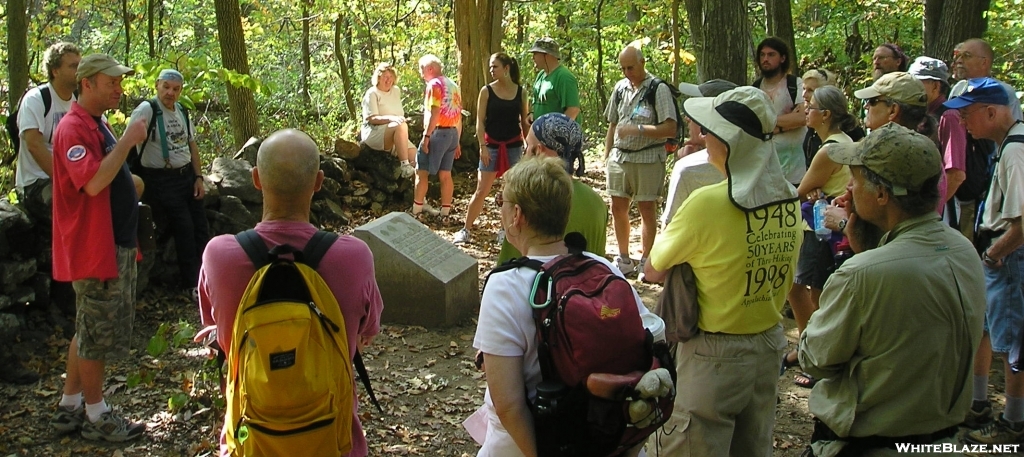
<point>690,90</point>
<point>845,153</point>
<point>958,102</point>
<point>544,51</point>
<point>867,93</point>
<point>118,70</point>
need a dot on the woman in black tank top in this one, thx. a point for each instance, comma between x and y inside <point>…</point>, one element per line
<point>500,123</point>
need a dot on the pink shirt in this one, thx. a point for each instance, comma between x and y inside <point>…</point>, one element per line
<point>347,268</point>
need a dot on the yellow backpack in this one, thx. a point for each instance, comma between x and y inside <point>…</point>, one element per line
<point>290,383</point>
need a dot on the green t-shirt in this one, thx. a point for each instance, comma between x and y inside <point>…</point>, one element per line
<point>587,215</point>
<point>555,92</point>
<point>744,262</point>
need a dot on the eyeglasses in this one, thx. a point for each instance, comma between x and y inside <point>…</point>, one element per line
<point>963,55</point>
<point>499,199</point>
<point>964,113</point>
<point>815,108</point>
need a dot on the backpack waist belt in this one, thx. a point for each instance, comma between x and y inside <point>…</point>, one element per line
<point>182,170</point>
<point>862,443</point>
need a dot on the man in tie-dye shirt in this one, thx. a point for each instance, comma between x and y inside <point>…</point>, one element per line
<point>442,128</point>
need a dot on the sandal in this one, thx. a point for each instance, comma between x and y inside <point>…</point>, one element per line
<point>787,364</point>
<point>805,380</point>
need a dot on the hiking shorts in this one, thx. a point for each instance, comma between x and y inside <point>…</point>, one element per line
<point>514,154</point>
<point>1004,313</point>
<point>816,262</point>
<point>636,181</point>
<point>106,311</point>
<point>443,142</point>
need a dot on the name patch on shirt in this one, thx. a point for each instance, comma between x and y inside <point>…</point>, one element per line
<point>76,153</point>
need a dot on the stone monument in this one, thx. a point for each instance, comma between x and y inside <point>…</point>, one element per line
<point>423,279</point>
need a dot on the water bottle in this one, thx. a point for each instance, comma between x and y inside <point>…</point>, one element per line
<point>549,393</point>
<point>820,230</point>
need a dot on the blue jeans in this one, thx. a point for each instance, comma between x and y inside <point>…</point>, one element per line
<point>1004,296</point>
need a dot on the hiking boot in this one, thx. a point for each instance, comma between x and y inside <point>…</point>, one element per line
<point>978,417</point>
<point>462,236</point>
<point>67,420</point>
<point>999,432</point>
<point>625,265</point>
<point>112,427</point>
<point>640,276</point>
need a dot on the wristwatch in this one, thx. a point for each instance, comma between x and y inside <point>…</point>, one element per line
<point>988,259</point>
<point>842,224</point>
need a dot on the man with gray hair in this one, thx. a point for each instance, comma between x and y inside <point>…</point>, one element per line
<point>442,129</point>
<point>916,302</point>
<point>173,172</point>
<point>641,117</point>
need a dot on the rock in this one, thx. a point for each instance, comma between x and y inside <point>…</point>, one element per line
<point>249,150</point>
<point>346,149</point>
<point>5,302</point>
<point>423,279</point>
<point>234,177</point>
<point>232,207</point>
<point>336,169</point>
<point>9,326</point>
<point>13,273</point>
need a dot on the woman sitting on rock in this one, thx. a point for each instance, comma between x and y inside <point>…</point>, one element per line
<point>384,125</point>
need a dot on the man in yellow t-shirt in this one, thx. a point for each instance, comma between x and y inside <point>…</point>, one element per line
<point>741,237</point>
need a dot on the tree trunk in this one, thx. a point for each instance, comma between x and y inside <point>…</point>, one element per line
<point>232,49</point>
<point>346,80</point>
<point>476,22</point>
<point>948,22</point>
<point>150,28</point>
<point>599,85</point>
<point>780,24</point>
<point>127,19</point>
<point>720,34</point>
<point>304,77</point>
<point>677,44</point>
<point>17,51</point>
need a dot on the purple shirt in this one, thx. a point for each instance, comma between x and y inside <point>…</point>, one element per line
<point>347,268</point>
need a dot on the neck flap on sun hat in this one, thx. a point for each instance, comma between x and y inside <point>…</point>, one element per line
<point>743,119</point>
<point>559,132</point>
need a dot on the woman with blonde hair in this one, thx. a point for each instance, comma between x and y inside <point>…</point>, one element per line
<point>385,127</point>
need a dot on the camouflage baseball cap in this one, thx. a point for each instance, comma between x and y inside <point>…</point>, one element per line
<point>901,156</point>
<point>899,86</point>
<point>547,45</point>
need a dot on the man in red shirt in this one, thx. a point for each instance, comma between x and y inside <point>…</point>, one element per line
<point>95,218</point>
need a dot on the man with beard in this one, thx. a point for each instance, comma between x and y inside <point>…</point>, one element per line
<point>773,61</point>
<point>916,302</point>
<point>888,58</point>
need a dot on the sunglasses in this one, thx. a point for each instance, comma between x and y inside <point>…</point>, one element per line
<point>876,100</point>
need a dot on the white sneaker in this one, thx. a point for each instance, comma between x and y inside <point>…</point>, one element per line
<point>625,265</point>
<point>462,236</point>
<point>430,210</point>
<point>407,170</point>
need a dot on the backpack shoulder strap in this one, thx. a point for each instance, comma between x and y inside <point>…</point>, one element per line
<point>791,83</point>
<point>188,123</point>
<point>1013,139</point>
<point>254,247</point>
<point>757,82</point>
<point>47,99</point>
<point>152,123</point>
<point>317,248</point>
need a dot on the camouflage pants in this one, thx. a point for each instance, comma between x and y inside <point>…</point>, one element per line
<point>36,200</point>
<point>106,311</point>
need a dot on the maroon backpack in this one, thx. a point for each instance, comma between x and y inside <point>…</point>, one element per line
<point>593,349</point>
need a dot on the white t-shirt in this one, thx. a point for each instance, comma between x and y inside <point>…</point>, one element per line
<point>178,137</point>
<point>1006,193</point>
<point>30,116</point>
<point>506,328</point>
<point>789,145</point>
<point>688,174</point>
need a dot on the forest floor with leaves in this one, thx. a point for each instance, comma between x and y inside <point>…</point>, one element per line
<point>424,378</point>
